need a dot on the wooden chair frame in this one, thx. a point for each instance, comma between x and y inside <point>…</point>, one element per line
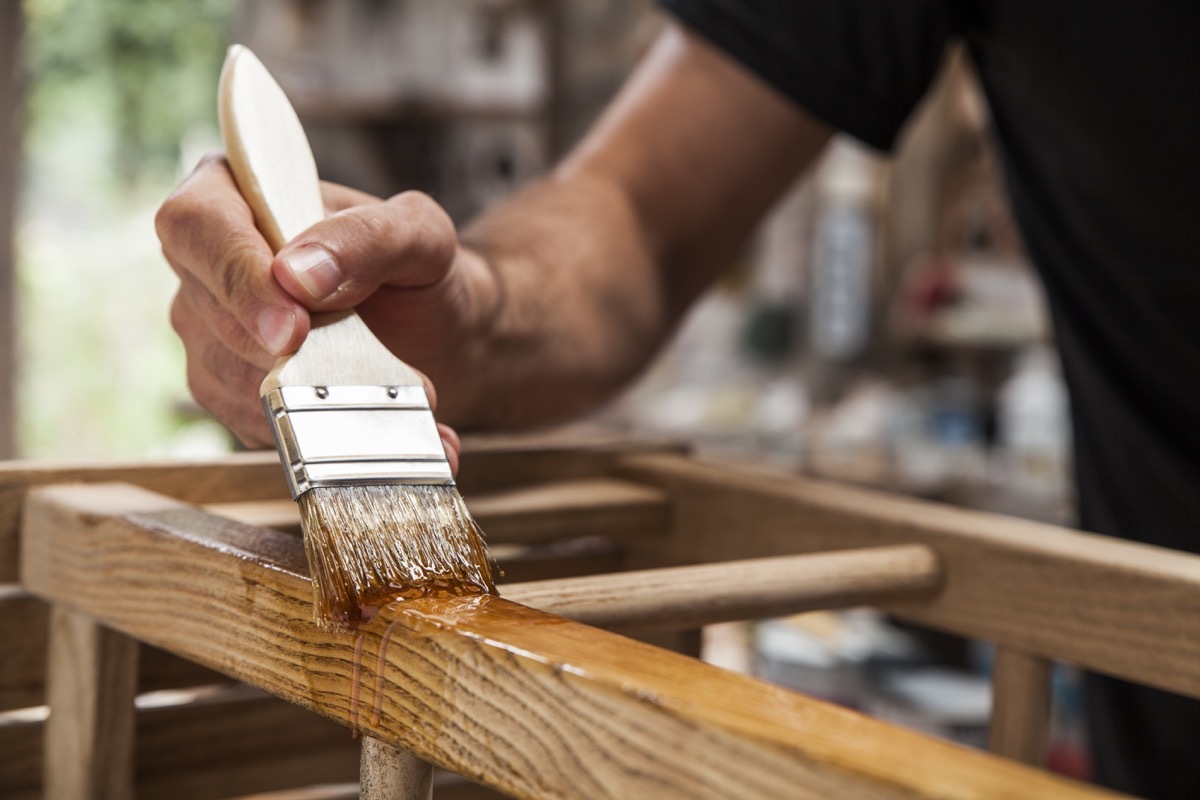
<point>517,692</point>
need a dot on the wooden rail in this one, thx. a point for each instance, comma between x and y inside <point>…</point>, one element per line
<point>530,703</point>
<point>1126,609</point>
<point>198,744</point>
<point>491,466</point>
<point>682,597</point>
<point>524,515</point>
<point>553,498</point>
<point>1020,725</point>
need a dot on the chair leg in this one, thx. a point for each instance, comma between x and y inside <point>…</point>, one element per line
<point>1020,706</point>
<point>91,685</point>
<point>386,773</point>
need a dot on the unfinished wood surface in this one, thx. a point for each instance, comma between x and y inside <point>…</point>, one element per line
<point>1127,609</point>
<point>591,507</point>
<point>244,476</point>
<point>541,513</point>
<point>208,743</point>
<point>91,685</point>
<point>530,703</point>
<point>1020,723</point>
<point>11,27</point>
<point>24,620</point>
<point>488,464</point>
<point>24,627</point>
<point>494,463</point>
<point>522,563</point>
<point>682,597</point>
<point>391,774</point>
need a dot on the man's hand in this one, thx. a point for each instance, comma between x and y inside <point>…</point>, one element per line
<point>564,291</point>
<point>239,307</point>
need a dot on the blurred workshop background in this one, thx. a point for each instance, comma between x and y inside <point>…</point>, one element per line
<point>883,327</point>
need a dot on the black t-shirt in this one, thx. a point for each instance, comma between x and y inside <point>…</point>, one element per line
<point>1096,107</point>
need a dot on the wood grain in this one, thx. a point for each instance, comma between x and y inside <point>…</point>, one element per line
<point>244,476</point>
<point>1122,608</point>
<point>682,597</point>
<point>91,685</point>
<point>24,621</point>
<point>1020,724</point>
<point>530,703</point>
<point>24,625</point>
<point>489,464</point>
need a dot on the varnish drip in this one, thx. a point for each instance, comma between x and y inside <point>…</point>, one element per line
<point>368,545</point>
<point>380,664</point>
<point>355,681</point>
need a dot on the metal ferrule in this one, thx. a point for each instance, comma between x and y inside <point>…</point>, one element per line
<point>339,435</point>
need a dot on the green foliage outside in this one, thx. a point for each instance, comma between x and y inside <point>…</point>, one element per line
<point>117,91</point>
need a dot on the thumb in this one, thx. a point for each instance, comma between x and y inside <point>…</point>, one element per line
<point>407,241</point>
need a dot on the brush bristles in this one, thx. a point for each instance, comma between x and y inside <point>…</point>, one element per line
<point>370,544</point>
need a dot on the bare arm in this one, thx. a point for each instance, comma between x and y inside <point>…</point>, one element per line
<point>601,259</point>
<point>551,301</point>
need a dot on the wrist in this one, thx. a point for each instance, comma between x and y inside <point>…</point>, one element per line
<point>465,375</point>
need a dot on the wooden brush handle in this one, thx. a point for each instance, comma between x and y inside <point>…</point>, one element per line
<point>276,174</point>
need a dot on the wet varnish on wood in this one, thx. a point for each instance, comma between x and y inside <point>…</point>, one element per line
<point>531,703</point>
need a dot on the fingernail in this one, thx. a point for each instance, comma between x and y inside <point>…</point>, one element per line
<point>315,269</point>
<point>275,328</point>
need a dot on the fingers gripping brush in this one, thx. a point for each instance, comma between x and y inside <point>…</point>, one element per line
<point>381,515</point>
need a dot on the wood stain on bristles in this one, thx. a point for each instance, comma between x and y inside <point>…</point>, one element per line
<point>370,544</point>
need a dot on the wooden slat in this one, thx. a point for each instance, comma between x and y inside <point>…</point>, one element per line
<point>91,686</point>
<point>22,735</point>
<point>592,507</point>
<point>682,597</point>
<point>24,622</point>
<point>522,563</point>
<point>207,744</point>
<point>244,476</point>
<point>1127,609</point>
<point>488,464</point>
<point>497,463</point>
<point>235,741</point>
<point>1020,724</point>
<point>530,703</point>
<point>281,514</point>
<point>541,513</point>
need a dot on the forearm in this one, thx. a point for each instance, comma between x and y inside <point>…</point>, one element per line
<point>580,305</point>
<point>548,303</point>
<point>593,267</point>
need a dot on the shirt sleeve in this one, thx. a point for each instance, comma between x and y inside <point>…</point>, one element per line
<point>859,65</point>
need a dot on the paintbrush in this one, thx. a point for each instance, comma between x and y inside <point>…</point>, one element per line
<point>381,515</point>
